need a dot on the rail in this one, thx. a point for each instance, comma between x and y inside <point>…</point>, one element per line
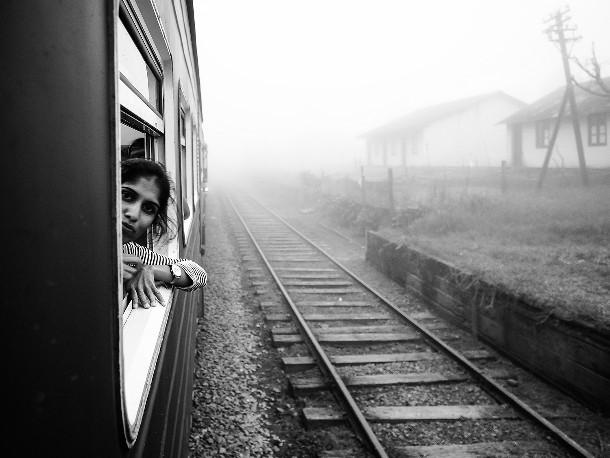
<point>490,385</point>
<point>355,415</point>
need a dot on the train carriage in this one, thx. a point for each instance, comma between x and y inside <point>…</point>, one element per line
<point>86,84</point>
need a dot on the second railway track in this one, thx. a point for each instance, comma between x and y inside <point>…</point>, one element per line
<point>406,383</point>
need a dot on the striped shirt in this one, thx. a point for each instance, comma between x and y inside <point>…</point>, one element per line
<point>149,257</point>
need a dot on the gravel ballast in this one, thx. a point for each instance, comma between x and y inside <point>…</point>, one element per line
<point>241,406</point>
<point>241,403</point>
<point>229,408</point>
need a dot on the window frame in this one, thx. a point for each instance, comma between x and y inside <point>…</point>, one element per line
<point>204,163</point>
<point>142,331</point>
<point>136,27</point>
<point>181,179</point>
<point>197,166</point>
<point>596,123</point>
<point>193,174</point>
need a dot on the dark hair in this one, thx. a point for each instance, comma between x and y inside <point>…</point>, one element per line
<point>136,149</point>
<point>134,169</point>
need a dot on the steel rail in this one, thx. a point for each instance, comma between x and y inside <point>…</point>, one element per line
<point>355,415</point>
<point>488,382</point>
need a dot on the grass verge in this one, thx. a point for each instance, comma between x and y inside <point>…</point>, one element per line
<point>552,246</point>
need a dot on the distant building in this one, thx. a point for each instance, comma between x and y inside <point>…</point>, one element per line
<point>531,129</point>
<point>460,133</point>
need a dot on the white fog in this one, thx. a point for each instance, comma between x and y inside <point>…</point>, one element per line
<point>292,85</point>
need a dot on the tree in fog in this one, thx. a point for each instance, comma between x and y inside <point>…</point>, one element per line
<point>600,86</point>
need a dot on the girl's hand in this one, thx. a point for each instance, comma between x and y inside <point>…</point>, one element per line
<point>131,265</point>
<point>140,283</point>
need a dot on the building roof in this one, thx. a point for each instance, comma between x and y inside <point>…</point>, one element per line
<point>419,118</point>
<point>548,106</point>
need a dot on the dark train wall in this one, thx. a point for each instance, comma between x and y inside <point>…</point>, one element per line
<point>58,94</point>
<point>58,142</point>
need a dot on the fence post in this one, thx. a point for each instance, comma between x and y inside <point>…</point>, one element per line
<point>503,178</point>
<point>362,185</point>
<point>391,189</point>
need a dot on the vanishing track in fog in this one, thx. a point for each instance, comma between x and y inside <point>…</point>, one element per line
<point>405,382</point>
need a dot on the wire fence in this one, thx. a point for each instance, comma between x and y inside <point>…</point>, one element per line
<point>402,188</point>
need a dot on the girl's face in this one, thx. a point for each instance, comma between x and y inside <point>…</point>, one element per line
<point>139,207</point>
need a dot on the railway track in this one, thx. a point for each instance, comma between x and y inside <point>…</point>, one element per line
<point>387,370</point>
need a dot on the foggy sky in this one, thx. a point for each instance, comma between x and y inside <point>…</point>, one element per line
<point>292,84</point>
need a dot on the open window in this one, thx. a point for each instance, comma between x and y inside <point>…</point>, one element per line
<point>204,165</point>
<point>142,135</point>
<point>184,161</point>
<point>194,166</point>
<point>197,166</point>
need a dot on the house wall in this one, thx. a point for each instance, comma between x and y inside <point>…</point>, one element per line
<point>472,137</point>
<point>564,153</point>
<point>396,152</point>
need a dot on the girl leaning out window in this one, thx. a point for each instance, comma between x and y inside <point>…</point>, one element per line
<point>145,191</point>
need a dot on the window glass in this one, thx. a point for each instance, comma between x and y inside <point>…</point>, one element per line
<point>597,129</point>
<point>134,68</point>
<point>186,210</point>
<point>133,143</point>
<point>204,164</point>
<point>191,165</point>
<point>197,167</point>
<point>182,129</point>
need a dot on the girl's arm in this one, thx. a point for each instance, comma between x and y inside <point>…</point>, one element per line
<point>194,275</point>
<point>163,273</point>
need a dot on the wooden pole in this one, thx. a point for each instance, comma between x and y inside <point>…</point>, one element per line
<point>503,178</point>
<point>559,28</point>
<point>549,150</point>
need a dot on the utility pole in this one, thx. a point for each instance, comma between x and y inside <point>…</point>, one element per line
<point>549,150</point>
<point>557,33</point>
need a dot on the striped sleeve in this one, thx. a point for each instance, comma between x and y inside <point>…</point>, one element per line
<point>195,272</point>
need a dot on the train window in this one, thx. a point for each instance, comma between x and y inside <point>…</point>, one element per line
<point>183,185</point>
<point>196,165</point>
<point>193,169</point>
<point>141,133</point>
<point>135,143</point>
<point>204,165</point>
<point>143,329</point>
<point>136,72</point>
<point>140,76</point>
